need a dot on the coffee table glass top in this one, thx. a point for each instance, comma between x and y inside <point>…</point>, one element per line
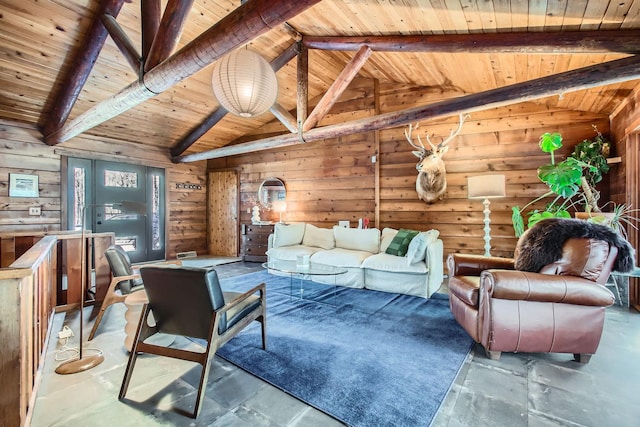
<point>313,268</point>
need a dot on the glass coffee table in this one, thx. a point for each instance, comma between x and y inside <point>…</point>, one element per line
<point>298,274</point>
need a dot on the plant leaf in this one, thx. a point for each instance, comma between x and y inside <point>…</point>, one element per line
<point>517,220</point>
<point>550,142</point>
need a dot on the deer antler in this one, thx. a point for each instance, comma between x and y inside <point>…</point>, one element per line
<point>453,133</point>
<point>409,134</point>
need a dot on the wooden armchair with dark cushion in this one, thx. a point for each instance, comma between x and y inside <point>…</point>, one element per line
<point>188,301</point>
<point>125,280</point>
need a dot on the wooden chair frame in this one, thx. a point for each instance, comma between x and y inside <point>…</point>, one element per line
<point>215,340</point>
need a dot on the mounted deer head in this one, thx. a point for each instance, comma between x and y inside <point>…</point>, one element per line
<point>431,182</point>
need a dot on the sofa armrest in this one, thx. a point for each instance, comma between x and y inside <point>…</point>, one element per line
<point>270,241</point>
<point>527,286</point>
<point>473,265</point>
<point>434,260</point>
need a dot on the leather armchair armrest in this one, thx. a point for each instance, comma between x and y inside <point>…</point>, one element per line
<point>527,286</point>
<point>473,265</point>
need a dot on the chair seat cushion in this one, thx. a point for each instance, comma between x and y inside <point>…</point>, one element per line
<point>466,289</point>
<point>239,311</point>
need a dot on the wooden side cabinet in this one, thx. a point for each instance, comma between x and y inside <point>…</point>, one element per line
<point>254,242</point>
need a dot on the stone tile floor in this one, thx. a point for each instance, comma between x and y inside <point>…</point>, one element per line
<point>536,390</point>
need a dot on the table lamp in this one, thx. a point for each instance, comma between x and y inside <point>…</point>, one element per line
<point>280,206</point>
<point>486,187</point>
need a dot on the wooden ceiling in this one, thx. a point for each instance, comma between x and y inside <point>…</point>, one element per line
<point>40,40</point>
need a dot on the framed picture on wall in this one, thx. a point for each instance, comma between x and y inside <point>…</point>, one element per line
<point>21,185</point>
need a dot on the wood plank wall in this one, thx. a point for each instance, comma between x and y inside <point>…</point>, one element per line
<point>625,128</point>
<point>21,151</point>
<point>334,179</point>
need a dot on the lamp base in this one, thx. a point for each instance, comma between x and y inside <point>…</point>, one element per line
<point>76,365</point>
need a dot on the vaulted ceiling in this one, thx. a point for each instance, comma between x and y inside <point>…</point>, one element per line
<point>41,41</point>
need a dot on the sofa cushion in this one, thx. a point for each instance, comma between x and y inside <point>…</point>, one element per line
<point>318,237</point>
<point>387,236</point>
<point>417,250</point>
<point>358,239</point>
<point>393,263</point>
<point>400,243</point>
<point>290,253</point>
<point>288,234</point>
<point>341,257</point>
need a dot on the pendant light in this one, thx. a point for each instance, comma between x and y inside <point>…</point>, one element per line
<point>244,83</point>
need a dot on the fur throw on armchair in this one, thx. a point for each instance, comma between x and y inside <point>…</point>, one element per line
<point>542,244</point>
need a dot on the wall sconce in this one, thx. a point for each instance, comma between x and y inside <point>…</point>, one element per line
<point>486,187</point>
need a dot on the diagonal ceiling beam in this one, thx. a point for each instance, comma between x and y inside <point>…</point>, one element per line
<point>123,42</point>
<point>337,88</point>
<point>620,41</point>
<point>169,32</point>
<point>611,72</point>
<point>80,67</point>
<point>245,23</point>
<point>150,15</point>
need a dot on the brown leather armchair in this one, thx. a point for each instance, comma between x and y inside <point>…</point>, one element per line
<point>558,309</point>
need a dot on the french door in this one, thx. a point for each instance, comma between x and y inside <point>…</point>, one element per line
<point>122,198</point>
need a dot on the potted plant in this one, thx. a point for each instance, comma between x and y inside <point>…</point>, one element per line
<point>572,181</point>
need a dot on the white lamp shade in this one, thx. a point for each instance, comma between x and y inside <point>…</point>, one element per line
<point>244,83</point>
<point>486,186</point>
<point>280,206</point>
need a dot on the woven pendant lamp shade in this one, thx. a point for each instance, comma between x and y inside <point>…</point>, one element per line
<point>244,83</point>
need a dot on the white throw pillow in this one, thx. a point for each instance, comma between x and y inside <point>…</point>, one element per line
<point>387,237</point>
<point>288,234</point>
<point>318,237</point>
<point>358,239</point>
<point>418,247</point>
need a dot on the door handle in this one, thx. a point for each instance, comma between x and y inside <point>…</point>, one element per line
<point>99,222</point>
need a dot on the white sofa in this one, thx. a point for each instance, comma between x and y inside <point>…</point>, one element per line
<point>362,253</point>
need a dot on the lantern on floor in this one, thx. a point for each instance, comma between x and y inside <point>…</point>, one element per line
<point>244,83</point>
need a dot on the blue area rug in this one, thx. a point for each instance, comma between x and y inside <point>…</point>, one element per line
<point>368,359</point>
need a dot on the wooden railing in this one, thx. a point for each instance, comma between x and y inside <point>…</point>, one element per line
<point>44,279</point>
<point>69,250</point>
<point>27,304</point>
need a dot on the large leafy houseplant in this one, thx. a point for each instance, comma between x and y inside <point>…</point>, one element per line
<point>571,181</point>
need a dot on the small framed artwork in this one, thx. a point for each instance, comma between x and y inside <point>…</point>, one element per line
<point>21,185</point>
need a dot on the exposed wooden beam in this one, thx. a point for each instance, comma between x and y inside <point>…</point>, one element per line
<point>210,121</point>
<point>218,114</point>
<point>336,89</point>
<point>168,35</point>
<point>247,22</point>
<point>81,65</point>
<point>150,15</point>
<point>123,42</point>
<point>620,41</point>
<point>302,72</point>
<point>283,59</point>
<point>611,72</point>
<point>285,117</point>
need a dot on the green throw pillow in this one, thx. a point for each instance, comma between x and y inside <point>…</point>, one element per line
<point>400,242</point>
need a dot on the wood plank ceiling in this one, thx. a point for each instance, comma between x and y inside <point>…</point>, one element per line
<point>40,39</point>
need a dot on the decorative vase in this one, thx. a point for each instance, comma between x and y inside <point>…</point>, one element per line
<point>255,217</point>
